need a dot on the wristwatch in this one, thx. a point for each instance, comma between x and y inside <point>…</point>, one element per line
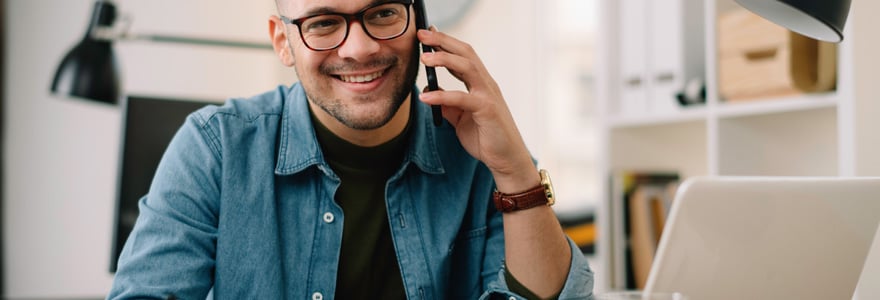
<point>540,195</point>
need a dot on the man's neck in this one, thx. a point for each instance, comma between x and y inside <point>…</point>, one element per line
<point>369,137</point>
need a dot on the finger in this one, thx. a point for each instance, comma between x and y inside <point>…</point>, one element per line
<point>443,42</point>
<point>470,70</point>
<point>457,99</point>
<point>451,114</point>
<point>462,68</point>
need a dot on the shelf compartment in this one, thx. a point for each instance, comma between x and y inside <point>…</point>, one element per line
<point>679,147</point>
<point>777,105</point>
<point>802,143</point>
<point>683,115</point>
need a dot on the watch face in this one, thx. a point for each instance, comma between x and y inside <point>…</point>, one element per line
<point>548,187</point>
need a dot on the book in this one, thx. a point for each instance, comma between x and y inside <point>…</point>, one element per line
<point>638,206</point>
<point>648,208</point>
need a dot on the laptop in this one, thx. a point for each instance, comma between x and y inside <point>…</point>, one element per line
<point>868,287</point>
<point>767,238</point>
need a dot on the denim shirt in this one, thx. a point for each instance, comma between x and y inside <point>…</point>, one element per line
<point>242,203</point>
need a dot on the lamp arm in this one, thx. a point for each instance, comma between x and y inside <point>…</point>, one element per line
<point>119,32</point>
<point>198,41</point>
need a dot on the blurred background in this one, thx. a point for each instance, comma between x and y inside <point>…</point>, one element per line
<point>619,99</point>
<point>61,156</point>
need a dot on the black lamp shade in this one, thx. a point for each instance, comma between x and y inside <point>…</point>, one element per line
<point>819,19</point>
<point>90,69</point>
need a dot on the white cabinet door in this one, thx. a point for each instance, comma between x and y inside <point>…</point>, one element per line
<point>633,56</point>
<point>660,50</point>
<point>665,76</point>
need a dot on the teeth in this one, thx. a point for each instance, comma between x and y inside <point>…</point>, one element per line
<point>361,78</point>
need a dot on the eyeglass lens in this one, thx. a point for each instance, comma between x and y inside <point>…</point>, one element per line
<point>384,21</point>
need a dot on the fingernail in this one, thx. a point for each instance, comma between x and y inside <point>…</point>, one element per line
<point>426,96</point>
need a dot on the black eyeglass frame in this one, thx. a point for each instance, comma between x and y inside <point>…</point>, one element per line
<point>349,18</point>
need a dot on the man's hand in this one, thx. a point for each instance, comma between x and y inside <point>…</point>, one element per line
<point>482,121</point>
<point>536,251</point>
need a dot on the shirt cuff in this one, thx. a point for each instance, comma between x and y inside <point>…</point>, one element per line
<point>578,284</point>
<point>518,288</point>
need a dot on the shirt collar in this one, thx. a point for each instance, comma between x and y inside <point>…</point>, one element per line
<point>298,146</point>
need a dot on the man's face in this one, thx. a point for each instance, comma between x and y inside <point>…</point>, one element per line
<point>363,82</point>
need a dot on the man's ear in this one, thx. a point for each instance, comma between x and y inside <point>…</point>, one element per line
<point>278,34</point>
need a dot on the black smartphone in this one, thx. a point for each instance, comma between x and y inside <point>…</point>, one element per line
<point>430,73</point>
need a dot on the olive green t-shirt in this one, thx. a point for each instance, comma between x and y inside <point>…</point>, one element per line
<point>368,266</point>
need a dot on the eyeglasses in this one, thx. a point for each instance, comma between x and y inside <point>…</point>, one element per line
<point>383,21</point>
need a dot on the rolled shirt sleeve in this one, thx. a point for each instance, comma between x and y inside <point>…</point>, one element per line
<point>578,284</point>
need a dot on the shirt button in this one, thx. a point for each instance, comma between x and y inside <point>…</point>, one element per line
<point>317,296</point>
<point>328,218</point>
<point>512,298</point>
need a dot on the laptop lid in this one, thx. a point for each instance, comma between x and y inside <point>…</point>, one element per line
<point>868,287</point>
<point>767,238</point>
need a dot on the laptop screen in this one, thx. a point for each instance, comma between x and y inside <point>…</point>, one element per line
<point>767,238</point>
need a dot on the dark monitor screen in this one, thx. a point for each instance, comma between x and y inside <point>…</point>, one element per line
<point>148,127</point>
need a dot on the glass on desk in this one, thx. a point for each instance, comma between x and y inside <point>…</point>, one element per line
<point>639,295</point>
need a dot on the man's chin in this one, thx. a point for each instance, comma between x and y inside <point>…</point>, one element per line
<point>364,123</point>
<point>370,115</point>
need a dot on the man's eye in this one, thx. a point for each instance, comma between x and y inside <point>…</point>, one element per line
<point>383,16</point>
<point>322,25</point>
<point>385,13</point>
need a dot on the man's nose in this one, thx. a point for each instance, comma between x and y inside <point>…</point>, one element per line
<point>358,45</point>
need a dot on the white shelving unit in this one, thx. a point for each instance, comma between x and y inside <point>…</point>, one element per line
<point>828,134</point>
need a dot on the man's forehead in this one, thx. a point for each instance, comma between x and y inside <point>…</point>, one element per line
<point>297,8</point>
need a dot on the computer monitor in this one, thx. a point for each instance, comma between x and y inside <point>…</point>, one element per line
<point>767,238</point>
<point>149,124</point>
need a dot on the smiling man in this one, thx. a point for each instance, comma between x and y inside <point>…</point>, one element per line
<point>340,186</point>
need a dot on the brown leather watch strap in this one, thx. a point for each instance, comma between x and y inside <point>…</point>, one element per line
<point>525,200</point>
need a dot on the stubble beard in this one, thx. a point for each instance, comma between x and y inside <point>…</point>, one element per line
<point>319,92</point>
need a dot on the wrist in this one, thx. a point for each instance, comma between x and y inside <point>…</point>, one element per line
<point>517,181</point>
<point>538,195</point>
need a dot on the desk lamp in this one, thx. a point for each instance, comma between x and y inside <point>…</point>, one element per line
<point>90,70</point>
<point>819,19</point>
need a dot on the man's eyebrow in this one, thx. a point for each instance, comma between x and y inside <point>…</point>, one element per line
<point>320,10</point>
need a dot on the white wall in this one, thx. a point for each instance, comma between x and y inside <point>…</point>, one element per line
<point>61,154</point>
<point>504,34</point>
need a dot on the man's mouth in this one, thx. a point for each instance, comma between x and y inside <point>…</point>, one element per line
<point>361,78</point>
